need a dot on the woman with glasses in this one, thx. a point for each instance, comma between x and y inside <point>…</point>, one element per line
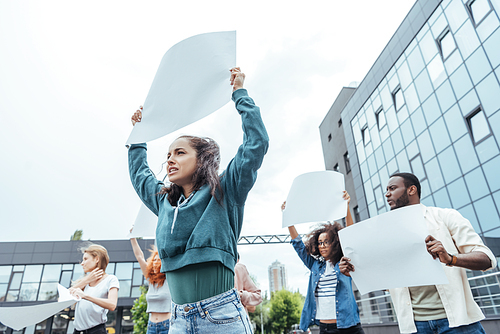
<point>330,302</point>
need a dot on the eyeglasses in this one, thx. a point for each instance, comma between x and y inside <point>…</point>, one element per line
<point>324,243</point>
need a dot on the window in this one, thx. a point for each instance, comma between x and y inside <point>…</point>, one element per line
<point>336,168</point>
<point>380,116</point>
<point>417,167</point>
<point>347,163</point>
<point>365,134</point>
<point>446,44</point>
<point>478,10</point>
<point>357,218</point>
<point>340,122</point>
<point>329,137</point>
<point>379,197</point>
<point>478,126</point>
<point>397,98</point>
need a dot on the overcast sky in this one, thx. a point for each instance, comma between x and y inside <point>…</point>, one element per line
<point>72,73</point>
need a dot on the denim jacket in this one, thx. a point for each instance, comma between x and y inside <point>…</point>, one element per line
<point>347,309</point>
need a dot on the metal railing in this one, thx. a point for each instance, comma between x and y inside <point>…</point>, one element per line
<point>485,289</point>
<point>265,239</point>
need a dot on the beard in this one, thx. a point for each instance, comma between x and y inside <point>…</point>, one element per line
<point>403,200</point>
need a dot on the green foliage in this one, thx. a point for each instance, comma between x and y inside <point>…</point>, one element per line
<point>77,235</point>
<point>285,311</point>
<point>256,318</point>
<point>139,314</point>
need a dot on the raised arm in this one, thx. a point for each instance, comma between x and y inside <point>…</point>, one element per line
<point>241,172</point>
<point>139,255</point>
<point>144,181</point>
<point>348,218</point>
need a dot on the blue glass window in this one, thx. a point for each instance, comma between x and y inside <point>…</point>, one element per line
<point>28,292</point>
<point>398,98</point>
<point>415,62</point>
<point>379,196</point>
<point>487,27</point>
<point>51,273</point>
<point>397,141</point>
<point>456,14</point>
<point>455,123</point>
<point>488,218</point>
<point>372,165</point>
<point>478,126</point>
<point>434,174</point>
<point>32,273</point>
<point>5,274</point>
<point>428,201</point>
<point>412,149</point>
<point>461,82</point>
<point>124,270</point>
<point>487,149</point>
<point>491,169</point>
<point>428,47</point>
<point>411,98</point>
<point>388,150</point>
<point>368,191</point>
<point>458,193</point>
<point>441,198</point>
<point>426,147</point>
<point>366,135</point>
<point>436,71</point>
<point>468,213</point>
<point>469,102</point>
<point>478,65</point>
<point>407,131</point>
<point>380,116</point>
<point>439,135</point>
<point>379,157</point>
<point>374,134</point>
<point>492,49</point>
<point>417,168</point>
<point>403,164</point>
<point>478,9</point>
<point>467,40</point>
<point>431,109</point>
<point>365,173</point>
<point>392,166</point>
<point>392,120</point>
<point>418,121</point>
<point>466,154</point>
<point>404,75</point>
<point>476,184</point>
<point>360,148</point>
<point>446,44</point>
<point>445,96</point>
<point>386,97</point>
<point>449,164</point>
<point>426,190</point>
<point>489,91</point>
<point>423,85</point>
<point>453,62</point>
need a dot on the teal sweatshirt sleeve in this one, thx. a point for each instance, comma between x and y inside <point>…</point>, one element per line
<point>241,172</point>
<point>145,183</point>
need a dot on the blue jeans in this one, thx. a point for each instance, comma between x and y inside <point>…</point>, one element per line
<point>223,313</point>
<point>441,326</point>
<point>158,327</point>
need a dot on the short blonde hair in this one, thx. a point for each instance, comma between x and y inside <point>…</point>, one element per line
<point>99,251</point>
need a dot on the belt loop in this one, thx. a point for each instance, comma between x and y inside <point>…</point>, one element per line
<point>200,310</point>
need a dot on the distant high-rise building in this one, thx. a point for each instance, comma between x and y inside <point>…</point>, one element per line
<point>277,276</point>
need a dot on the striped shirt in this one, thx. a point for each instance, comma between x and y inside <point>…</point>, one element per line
<point>325,294</point>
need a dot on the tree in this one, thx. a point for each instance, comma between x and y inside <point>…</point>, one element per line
<point>77,235</point>
<point>286,308</point>
<point>255,317</point>
<point>139,314</point>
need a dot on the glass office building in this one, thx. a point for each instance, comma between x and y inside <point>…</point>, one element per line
<point>430,105</point>
<point>31,271</point>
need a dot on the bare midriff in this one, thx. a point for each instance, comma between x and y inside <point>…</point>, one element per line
<point>331,321</point>
<point>159,317</point>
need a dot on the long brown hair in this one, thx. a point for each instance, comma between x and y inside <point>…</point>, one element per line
<point>208,160</point>
<point>153,272</point>
<point>95,250</point>
<point>332,230</point>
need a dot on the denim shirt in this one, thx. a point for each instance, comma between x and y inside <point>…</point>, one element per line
<point>347,309</point>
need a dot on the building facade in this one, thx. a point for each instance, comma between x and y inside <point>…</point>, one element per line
<point>30,272</point>
<point>277,276</point>
<point>430,105</point>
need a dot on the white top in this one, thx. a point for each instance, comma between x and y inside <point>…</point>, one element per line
<point>158,299</point>
<point>458,237</point>
<point>88,314</point>
<point>325,294</point>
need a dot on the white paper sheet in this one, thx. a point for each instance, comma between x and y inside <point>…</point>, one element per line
<point>191,83</point>
<point>315,197</point>
<point>145,224</point>
<point>23,316</point>
<point>388,251</point>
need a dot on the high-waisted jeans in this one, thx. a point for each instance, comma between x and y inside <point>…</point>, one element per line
<point>223,313</point>
<point>158,327</point>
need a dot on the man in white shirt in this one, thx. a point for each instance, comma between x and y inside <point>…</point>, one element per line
<point>448,308</point>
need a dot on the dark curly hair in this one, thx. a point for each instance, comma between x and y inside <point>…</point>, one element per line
<point>332,230</point>
<point>208,159</point>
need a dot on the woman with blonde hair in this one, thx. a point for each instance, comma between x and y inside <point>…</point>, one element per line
<point>158,296</point>
<point>98,292</point>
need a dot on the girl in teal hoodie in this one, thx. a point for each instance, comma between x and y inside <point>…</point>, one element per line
<point>200,215</point>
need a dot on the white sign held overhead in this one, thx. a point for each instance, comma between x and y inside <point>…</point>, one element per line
<point>315,197</point>
<point>192,82</point>
<point>145,224</point>
<point>388,251</point>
